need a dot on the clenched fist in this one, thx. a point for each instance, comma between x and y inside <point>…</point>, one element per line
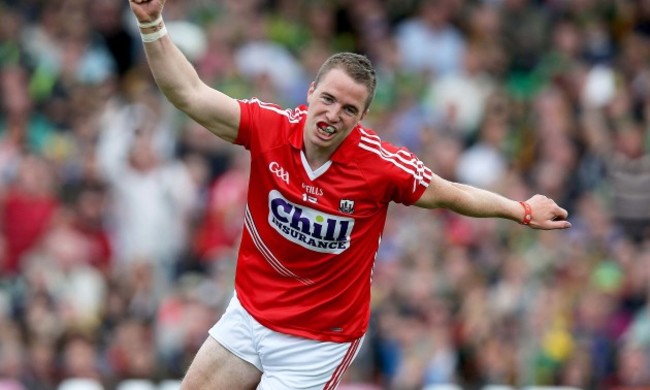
<point>147,10</point>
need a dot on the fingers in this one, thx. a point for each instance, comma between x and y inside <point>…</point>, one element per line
<point>560,221</point>
<point>562,213</point>
<point>146,10</point>
<point>557,224</point>
<point>552,223</point>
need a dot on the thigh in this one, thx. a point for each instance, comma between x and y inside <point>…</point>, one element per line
<point>296,363</point>
<point>216,368</point>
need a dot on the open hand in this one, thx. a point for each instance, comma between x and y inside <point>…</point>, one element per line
<point>146,10</point>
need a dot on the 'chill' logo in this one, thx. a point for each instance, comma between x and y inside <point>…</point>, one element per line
<point>309,228</point>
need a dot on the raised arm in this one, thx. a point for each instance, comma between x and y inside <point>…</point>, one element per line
<point>177,78</point>
<point>475,202</point>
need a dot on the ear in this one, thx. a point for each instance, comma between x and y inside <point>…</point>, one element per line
<point>310,91</point>
<point>363,115</point>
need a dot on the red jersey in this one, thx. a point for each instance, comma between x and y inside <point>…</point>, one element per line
<point>311,236</point>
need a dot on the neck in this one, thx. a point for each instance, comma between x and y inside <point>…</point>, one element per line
<point>316,157</point>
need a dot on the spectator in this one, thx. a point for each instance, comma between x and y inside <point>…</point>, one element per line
<point>430,31</point>
<point>27,209</point>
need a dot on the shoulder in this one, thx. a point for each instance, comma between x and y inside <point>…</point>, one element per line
<point>291,115</point>
<point>267,123</point>
<point>380,152</point>
<point>388,160</point>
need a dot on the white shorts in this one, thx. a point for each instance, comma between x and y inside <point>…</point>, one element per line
<point>286,362</point>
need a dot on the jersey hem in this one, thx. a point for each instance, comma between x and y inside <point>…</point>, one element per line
<point>303,333</point>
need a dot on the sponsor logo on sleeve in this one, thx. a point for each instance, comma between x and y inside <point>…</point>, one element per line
<point>309,228</point>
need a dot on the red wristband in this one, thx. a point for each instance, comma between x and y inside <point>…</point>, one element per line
<point>528,213</point>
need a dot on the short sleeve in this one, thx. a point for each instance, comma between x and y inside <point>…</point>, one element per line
<point>395,173</point>
<point>246,121</point>
<point>261,124</point>
<point>409,175</point>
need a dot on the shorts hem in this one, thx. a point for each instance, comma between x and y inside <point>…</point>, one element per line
<point>214,334</point>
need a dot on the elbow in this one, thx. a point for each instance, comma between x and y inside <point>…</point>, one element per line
<point>182,95</point>
<point>178,98</point>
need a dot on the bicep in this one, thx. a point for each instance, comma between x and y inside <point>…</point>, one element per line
<point>214,110</point>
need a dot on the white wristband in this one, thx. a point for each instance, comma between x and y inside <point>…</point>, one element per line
<point>151,24</point>
<point>154,36</point>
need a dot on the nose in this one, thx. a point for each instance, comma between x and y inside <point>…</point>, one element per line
<point>332,114</point>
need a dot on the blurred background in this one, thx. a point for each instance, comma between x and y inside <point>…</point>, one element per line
<point>120,217</point>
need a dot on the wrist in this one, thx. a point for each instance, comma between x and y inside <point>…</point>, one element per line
<point>528,213</point>
<point>152,31</point>
<point>154,23</point>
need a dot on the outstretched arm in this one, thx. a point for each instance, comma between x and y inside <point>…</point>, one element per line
<point>177,78</point>
<point>475,202</point>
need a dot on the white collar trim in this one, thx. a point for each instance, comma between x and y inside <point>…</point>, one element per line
<point>314,174</point>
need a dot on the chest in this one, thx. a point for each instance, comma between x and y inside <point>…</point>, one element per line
<point>335,188</point>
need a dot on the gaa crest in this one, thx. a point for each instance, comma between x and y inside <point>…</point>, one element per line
<point>346,206</point>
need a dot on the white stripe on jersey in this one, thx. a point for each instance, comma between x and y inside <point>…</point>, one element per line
<point>402,155</point>
<point>294,115</point>
<point>266,252</point>
<point>413,166</point>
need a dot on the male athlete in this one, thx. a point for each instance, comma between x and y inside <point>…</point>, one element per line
<point>320,188</point>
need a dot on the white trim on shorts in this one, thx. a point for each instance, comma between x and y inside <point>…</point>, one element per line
<point>286,362</point>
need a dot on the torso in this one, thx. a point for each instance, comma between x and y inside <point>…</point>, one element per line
<point>310,237</point>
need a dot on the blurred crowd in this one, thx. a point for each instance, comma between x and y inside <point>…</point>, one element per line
<point>120,217</point>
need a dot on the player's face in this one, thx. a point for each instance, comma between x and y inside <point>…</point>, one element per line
<point>336,105</point>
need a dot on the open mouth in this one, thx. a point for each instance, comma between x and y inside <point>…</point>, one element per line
<point>325,128</point>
